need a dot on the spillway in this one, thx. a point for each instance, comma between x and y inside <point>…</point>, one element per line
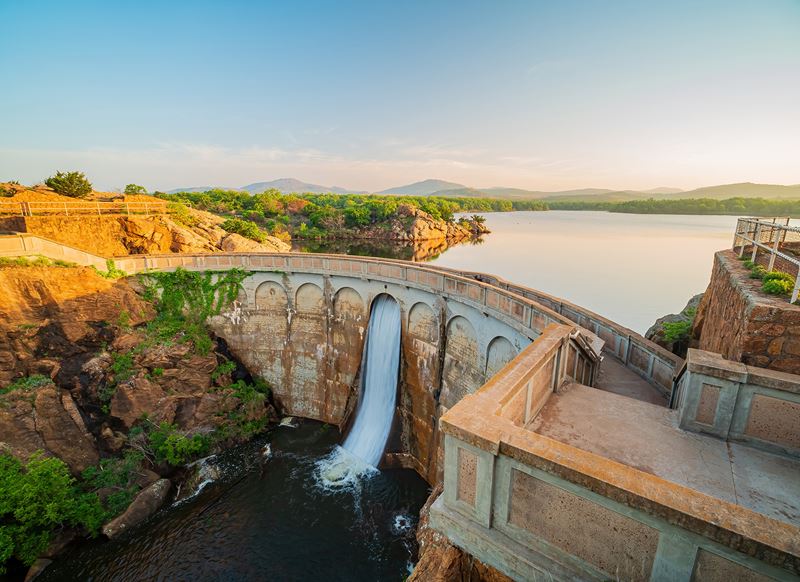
<point>380,363</point>
<point>361,451</point>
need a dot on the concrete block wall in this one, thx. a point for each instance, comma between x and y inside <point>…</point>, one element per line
<point>740,403</point>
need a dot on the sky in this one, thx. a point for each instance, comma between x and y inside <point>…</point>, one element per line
<point>374,94</point>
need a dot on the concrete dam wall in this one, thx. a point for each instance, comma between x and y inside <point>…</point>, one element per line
<point>304,333</point>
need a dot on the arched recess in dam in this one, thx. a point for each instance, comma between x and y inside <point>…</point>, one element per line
<point>304,333</point>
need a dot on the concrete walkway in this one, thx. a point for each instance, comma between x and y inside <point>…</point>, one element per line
<point>615,377</point>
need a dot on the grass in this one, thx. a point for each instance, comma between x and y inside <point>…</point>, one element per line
<point>34,261</point>
<point>26,384</point>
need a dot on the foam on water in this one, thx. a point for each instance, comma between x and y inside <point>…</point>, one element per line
<point>364,445</point>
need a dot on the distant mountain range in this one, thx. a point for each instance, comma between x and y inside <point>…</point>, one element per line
<point>285,185</point>
<point>443,188</point>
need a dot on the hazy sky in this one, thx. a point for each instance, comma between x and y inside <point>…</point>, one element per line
<point>369,95</point>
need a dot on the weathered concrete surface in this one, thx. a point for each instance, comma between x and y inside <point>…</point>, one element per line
<point>647,437</point>
<point>304,333</point>
<point>615,377</point>
<point>742,323</point>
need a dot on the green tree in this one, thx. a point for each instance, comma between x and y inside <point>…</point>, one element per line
<point>133,189</point>
<point>37,498</point>
<point>73,184</point>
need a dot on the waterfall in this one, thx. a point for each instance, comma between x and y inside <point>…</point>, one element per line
<point>381,360</point>
<point>364,445</point>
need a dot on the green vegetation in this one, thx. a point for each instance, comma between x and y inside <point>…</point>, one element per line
<point>679,331</point>
<point>119,475</point>
<point>72,184</point>
<point>134,189</point>
<point>186,299</point>
<point>166,443</point>
<point>222,369</point>
<point>37,261</point>
<point>328,215</point>
<point>111,271</point>
<point>244,228</point>
<point>773,282</point>
<point>35,499</point>
<point>26,383</point>
<point>735,206</point>
<point>180,213</point>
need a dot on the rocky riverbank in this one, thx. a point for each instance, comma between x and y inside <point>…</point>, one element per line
<point>89,376</point>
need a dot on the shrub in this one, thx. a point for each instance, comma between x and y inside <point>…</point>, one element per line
<point>134,189</point>
<point>180,213</point>
<point>778,276</point>
<point>73,184</point>
<point>748,263</point>
<point>26,383</point>
<point>169,445</point>
<point>758,272</point>
<point>677,331</point>
<point>245,228</point>
<point>119,475</point>
<point>111,271</point>
<point>37,498</point>
<point>777,287</point>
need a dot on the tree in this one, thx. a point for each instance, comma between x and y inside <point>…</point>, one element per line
<point>37,498</point>
<point>133,189</point>
<point>72,184</point>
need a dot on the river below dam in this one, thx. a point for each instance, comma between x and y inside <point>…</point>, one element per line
<point>275,521</point>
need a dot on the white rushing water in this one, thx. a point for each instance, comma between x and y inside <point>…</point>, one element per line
<point>364,445</point>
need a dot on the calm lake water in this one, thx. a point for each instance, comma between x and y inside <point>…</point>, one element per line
<point>631,268</point>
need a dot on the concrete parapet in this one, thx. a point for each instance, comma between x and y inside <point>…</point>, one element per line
<point>737,402</point>
<point>542,507</point>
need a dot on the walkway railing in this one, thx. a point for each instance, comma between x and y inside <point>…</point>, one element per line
<point>771,242</point>
<point>80,208</point>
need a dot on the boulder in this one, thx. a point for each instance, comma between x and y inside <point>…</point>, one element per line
<point>145,504</point>
<point>46,419</point>
<point>236,243</point>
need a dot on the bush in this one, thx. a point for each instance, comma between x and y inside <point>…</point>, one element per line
<point>777,287</point>
<point>73,184</point>
<point>134,189</point>
<point>758,272</point>
<point>245,228</point>
<point>180,213</point>
<point>119,475</point>
<point>778,276</point>
<point>36,499</point>
<point>175,448</point>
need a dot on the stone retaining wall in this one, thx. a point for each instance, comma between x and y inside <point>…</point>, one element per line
<point>742,323</point>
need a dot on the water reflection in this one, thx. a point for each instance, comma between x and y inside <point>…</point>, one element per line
<point>418,251</point>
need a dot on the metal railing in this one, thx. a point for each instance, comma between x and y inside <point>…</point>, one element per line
<point>80,208</point>
<point>772,241</point>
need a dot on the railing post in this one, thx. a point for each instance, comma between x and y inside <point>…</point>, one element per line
<point>98,208</point>
<point>796,289</point>
<point>756,241</point>
<point>774,248</point>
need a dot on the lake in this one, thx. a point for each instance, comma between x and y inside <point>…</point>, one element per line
<point>630,268</point>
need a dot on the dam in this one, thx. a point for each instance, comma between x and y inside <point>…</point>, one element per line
<point>568,447</point>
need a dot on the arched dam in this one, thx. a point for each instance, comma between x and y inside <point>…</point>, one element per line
<point>300,323</point>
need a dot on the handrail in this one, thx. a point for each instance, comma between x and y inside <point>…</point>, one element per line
<point>81,208</point>
<point>770,236</point>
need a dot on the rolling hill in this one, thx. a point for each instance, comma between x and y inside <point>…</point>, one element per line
<point>433,187</point>
<point>424,188</point>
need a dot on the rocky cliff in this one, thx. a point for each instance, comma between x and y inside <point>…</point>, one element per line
<point>413,224</point>
<point>183,231</point>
